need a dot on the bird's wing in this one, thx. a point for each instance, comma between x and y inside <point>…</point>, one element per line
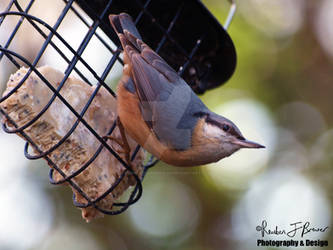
<point>154,78</point>
<point>150,69</point>
<point>167,102</point>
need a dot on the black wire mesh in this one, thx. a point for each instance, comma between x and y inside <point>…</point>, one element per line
<point>75,63</point>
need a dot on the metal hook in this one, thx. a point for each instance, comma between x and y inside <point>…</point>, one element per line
<point>231,14</point>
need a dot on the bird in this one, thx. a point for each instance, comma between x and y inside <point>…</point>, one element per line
<point>159,110</point>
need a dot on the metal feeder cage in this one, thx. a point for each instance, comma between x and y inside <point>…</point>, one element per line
<point>183,32</point>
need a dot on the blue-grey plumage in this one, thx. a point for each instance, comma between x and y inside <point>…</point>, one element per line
<point>178,127</point>
<point>170,112</point>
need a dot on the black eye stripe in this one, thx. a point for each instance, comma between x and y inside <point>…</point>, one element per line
<point>225,127</point>
<point>213,122</point>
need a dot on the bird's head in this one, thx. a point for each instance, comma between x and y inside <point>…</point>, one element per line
<point>224,134</point>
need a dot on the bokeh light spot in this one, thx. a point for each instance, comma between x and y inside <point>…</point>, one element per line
<point>167,208</point>
<point>281,197</point>
<point>275,18</point>
<point>323,24</point>
<point>303,119</point>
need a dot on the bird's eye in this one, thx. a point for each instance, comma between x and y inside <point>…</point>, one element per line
<point>225,127</point>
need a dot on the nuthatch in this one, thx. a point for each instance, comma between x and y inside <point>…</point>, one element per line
<point>161,112</point>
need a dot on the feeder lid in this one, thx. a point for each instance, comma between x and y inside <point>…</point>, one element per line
<point>183,32</point>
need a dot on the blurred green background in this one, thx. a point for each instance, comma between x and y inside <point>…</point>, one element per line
<point>281,95</point>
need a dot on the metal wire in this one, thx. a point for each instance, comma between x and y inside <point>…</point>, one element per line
<point>14,9</point>
<point>231,14</point>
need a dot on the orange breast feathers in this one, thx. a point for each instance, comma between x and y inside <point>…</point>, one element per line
<point>130,116</point>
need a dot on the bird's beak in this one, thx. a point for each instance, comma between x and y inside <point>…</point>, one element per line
<point>242,142</point>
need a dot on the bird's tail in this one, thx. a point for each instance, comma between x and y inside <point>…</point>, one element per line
<point>132,44</point>
<point>123,22</point>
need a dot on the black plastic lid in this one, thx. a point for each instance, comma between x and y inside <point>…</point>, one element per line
<point>184,33</point>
